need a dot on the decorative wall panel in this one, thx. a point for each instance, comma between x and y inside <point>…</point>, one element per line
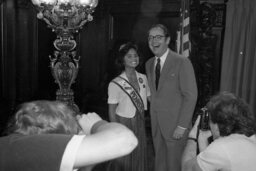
<point>207,28</point>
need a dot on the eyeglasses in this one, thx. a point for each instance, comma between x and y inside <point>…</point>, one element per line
<point>156,37</point>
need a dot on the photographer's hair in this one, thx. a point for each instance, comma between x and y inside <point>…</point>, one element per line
<point>231,114</point>
<point>161,26</point>
<point>43,117</point>
<point>123,50</point>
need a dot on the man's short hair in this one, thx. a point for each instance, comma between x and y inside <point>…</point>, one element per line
<point>231,114</point>
<point>161,26</point>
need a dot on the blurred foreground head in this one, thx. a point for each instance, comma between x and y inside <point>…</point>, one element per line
<point>43,117</point>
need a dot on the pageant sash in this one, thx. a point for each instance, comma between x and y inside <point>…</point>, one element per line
<point>131,92</point>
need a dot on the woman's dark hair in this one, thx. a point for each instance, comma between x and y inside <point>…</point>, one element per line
<point>42,117</point>
<point>231,114</point>
<point>123,50</point>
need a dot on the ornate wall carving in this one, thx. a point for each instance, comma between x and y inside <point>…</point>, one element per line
<point>207,26</point>
<point>24,3</point>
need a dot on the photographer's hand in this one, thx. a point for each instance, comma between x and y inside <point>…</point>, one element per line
<point>86,121</point>
<point>194,130</point>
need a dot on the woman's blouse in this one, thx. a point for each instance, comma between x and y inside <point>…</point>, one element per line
<point>125,107</point>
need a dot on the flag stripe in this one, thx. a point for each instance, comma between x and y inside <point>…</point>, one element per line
<point>186,46</point>
<point>183,43</point>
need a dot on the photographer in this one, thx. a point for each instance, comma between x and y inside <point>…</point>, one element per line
<point>43,136</point>
<point>232,126</point>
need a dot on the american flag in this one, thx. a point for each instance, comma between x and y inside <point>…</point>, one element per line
<point>182,42</point>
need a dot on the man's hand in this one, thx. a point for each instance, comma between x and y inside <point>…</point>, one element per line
<point>86,121</point>
<point>178,132</point>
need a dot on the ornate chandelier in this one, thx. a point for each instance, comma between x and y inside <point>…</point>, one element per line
<point>67,15</point>
<point>65,18</point>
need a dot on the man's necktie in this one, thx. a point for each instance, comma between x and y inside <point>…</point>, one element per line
<point>157,71</point>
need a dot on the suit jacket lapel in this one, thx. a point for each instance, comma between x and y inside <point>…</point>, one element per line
<point>166,68</point>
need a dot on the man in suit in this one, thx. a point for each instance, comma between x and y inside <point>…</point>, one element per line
<point>173,97</point>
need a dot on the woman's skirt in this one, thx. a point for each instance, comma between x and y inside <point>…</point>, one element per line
<point>137,160</point>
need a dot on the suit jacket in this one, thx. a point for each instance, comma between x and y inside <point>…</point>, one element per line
<point>173,103</point>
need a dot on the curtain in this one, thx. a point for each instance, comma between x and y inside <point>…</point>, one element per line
<point>238,72</point>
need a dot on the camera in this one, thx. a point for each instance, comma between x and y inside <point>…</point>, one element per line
<point>204,121</point>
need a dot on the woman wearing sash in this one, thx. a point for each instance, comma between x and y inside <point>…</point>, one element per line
<point>127,99</point>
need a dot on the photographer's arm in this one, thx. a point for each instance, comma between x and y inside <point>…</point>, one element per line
<point>189,159</point>
<point>108,141</point>
<point>203,139</point>
<point>189,162</point>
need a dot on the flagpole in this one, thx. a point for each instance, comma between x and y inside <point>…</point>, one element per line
<point>182,25</point>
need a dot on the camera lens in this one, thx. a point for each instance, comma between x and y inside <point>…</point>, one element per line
<point>204,121</point>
